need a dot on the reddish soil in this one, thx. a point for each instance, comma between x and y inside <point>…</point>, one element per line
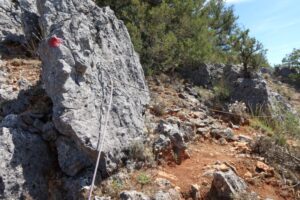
<point>17,69</point>
<point>203,158</point>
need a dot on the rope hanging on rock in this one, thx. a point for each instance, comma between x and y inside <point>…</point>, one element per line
<point>102,138</point>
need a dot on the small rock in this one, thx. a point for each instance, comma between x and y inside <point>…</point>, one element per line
<point>163,183</point>
<point>205,183</point>
<point>171,194</point>
<point>182,96</point>
<point>223,141</point>
<point>102,198</point>
<point>226,184</point>
<point>226,134</point>
<point>223,168</point>
<point>248,174</point>
<point>133,195</point>
<point>262,167</point>
<point>195,192</point>
<point>202,131</point>
<point>244,138</point>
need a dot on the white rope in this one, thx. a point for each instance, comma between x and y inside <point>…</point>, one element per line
<point>102,139</point>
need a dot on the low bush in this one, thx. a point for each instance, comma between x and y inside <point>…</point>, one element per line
<point>143,179</point>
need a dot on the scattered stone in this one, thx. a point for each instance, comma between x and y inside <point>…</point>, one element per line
<point>223,141</point>
<point>202,131</point>
<point>223,168</point>
<point>171,194</point>
<point>224,133</point>
<point>226,184</point>
<point>176,137</point>
<point>248,175</point>
<point>133,195</point>
<point>102,198</point>
<point>163,183</point>
<point>244,138</point>
<point>195,192</point>
<point>242,147</point>
<point>262,167</point>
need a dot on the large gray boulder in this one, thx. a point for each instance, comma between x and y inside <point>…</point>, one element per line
<point>254,91</point>
<point>226,185</point>
<point>284,72</point>
<point>76,74</point>
<point>25,163</point>
<point>204,74</point>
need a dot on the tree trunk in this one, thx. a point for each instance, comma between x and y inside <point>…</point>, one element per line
<point>245,70</point>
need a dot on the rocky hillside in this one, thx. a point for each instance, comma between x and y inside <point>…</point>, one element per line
<point>69,74</point>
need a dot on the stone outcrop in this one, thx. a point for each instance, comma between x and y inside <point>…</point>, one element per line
<point>25,161</point>
<point>254,91</point>
<point>285,72</point>
<point>10,23</point>
<point>19,33</point>
<point>204,74</point>
<point>93,47</point>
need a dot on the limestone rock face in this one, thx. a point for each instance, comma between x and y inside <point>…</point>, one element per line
<point>254,91</point>
<point>93,46</point>
<point>10,24</point>
<point>204,74</point>
<point>25,161</point>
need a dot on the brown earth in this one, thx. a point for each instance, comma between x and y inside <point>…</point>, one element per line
<point>17,69</point>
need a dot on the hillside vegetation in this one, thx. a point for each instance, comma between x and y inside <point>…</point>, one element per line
<point>174,33</point>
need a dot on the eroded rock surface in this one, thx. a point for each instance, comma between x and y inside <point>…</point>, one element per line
<point>10,24</point>
<point>25,161</point>
<point>95,47</point>
<point>227,184</point>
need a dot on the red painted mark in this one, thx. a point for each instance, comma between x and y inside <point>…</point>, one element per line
<point>55,41</point>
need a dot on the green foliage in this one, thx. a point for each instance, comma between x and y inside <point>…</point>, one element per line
<point>262,125</point>
<point>282,125</point>
<point>117,185</point>
<point>221,90</point>
<point>292,59</point>
<point>183,33</point>
<point>143,179</point>
<point>250,51</point>
<point>295,78</point>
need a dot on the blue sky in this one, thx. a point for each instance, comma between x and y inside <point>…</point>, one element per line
<point>276,23</point>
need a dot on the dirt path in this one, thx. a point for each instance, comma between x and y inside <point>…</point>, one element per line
<point>205,158</point>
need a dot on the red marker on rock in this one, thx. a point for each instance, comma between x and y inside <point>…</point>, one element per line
<point>55,41</point>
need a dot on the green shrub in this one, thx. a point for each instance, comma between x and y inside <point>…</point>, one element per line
<point>281,125</point>
<point>177,33</point>
<point>221,90</point>
<point>143,179</point>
